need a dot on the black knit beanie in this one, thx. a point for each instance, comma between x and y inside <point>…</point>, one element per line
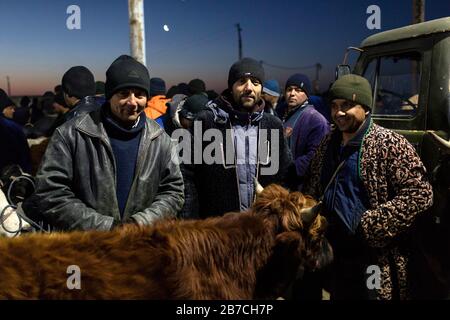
<point>157,87</point>
<point>196,86</point>
<point>5,100</point>
<point>99,87</point>
<point>301,81</point>
<point>78,82</point>
<point>126,72</point>
<point>246,67</point>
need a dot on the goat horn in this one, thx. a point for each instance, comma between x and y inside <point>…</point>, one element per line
<point>444,143</point>
<point>309,214</point>
<point>258,187</point>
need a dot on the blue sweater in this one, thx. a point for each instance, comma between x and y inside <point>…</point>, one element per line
<point>125,146</point>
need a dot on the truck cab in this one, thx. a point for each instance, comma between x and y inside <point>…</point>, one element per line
<point>409,71</point>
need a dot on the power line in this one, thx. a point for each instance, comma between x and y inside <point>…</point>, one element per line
<point>182,47</point>
<point>288,68</point>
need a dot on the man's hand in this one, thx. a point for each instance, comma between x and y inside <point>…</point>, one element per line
<point>119,224</point>
<point>116,224</point>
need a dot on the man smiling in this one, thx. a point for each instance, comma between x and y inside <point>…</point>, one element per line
<point>373,185</point>
<point>113,165</point>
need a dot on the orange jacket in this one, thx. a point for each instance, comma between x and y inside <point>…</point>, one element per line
<point>156,107</point>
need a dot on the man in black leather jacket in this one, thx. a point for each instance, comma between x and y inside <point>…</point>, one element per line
<point>112,165</point>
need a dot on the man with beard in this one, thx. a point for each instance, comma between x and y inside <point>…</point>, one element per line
<point>373,185</point>
<point>246,132</point>
<point>112,165</point>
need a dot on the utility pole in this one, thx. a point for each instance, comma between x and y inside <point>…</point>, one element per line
<point>316,86</point>
<point>238,26</point>
<point>318,68</point>
<point>137,29</point>
<point>8,84</point>
<point>418,17</point>
<point>418,11</point>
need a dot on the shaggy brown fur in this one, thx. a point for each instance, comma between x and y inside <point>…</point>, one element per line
<point>248,255</point>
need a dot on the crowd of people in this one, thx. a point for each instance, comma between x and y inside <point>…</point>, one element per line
<point>110,160</point>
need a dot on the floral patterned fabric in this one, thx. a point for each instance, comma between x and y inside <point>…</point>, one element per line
<point>398,190</point>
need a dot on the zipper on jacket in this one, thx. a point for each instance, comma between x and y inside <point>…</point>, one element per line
<point>235,167</point>
<point>249,188</point>
<point>257,158</point>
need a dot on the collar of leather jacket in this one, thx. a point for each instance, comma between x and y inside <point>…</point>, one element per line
<point>91,124</point>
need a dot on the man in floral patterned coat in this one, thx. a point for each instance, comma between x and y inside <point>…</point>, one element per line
<point>373,185</point>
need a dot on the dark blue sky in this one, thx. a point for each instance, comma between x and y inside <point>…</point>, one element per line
<point>37,48</point>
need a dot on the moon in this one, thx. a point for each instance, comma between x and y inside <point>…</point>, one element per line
<point>166,28</point>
